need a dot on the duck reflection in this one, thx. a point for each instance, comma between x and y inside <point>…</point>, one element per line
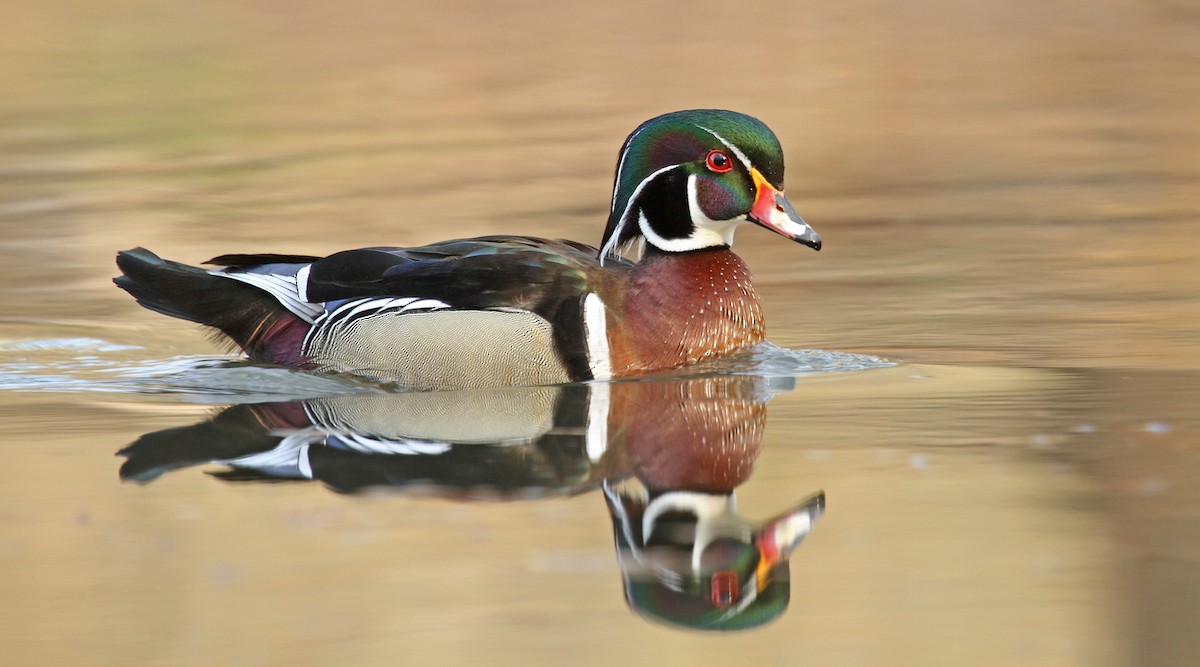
<point>667,456</point>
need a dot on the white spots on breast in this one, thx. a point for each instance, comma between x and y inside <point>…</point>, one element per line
<point>729,317</point>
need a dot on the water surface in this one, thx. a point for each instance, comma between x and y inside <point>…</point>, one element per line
<point>1007,196</point>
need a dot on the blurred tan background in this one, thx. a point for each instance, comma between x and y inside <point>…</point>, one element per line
<point>982,165</point>
<point>1009,198</point>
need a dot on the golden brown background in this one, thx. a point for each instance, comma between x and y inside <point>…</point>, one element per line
<point>1009,195</point>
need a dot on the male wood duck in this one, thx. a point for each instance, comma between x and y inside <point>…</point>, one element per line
<point>515,310</point>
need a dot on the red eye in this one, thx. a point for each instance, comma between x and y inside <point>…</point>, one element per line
<point>718,161</point>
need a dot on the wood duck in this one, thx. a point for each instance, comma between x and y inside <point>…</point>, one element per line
<point>515,310</point>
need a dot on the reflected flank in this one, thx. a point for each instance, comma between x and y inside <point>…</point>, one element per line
<point>668,456</point>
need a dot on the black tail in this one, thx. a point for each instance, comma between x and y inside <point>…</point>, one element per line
<point>242,312</point>
<point>238,431</point>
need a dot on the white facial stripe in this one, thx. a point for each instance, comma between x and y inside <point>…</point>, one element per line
<point>701,237</point>
<point>723,228</point>
<point>732,149</point>
<point>611,245</point>
<point>621,167</point>
<point>706,507</point>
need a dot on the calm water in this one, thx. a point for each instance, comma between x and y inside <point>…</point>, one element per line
<point>991,370</point>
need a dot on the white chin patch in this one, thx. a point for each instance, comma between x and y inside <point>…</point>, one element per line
<point>706,232</point>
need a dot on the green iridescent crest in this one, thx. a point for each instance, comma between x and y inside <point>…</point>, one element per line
<point>660,158</point>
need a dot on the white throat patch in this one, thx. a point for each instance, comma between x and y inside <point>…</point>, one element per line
<point>706,232</point>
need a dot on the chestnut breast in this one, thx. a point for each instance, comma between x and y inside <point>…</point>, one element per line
<point>681,308</point>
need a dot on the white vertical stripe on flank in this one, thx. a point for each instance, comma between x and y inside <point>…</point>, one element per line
<point>595,326</point>
<point>596,440</point>
<point>621,167</point>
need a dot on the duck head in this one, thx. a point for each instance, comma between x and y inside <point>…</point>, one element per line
<point>686,180</point>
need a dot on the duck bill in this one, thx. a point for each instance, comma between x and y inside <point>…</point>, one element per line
<point>773,211</point>
<point>780,536</point>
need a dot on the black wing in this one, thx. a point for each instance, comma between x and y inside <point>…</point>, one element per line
<point>485,272</point>
<point>250,261</point>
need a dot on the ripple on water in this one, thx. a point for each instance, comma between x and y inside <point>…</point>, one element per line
<point>770,360</point>
<point>56,344</point>
<point>95,365</point>
<point>782,365</point>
